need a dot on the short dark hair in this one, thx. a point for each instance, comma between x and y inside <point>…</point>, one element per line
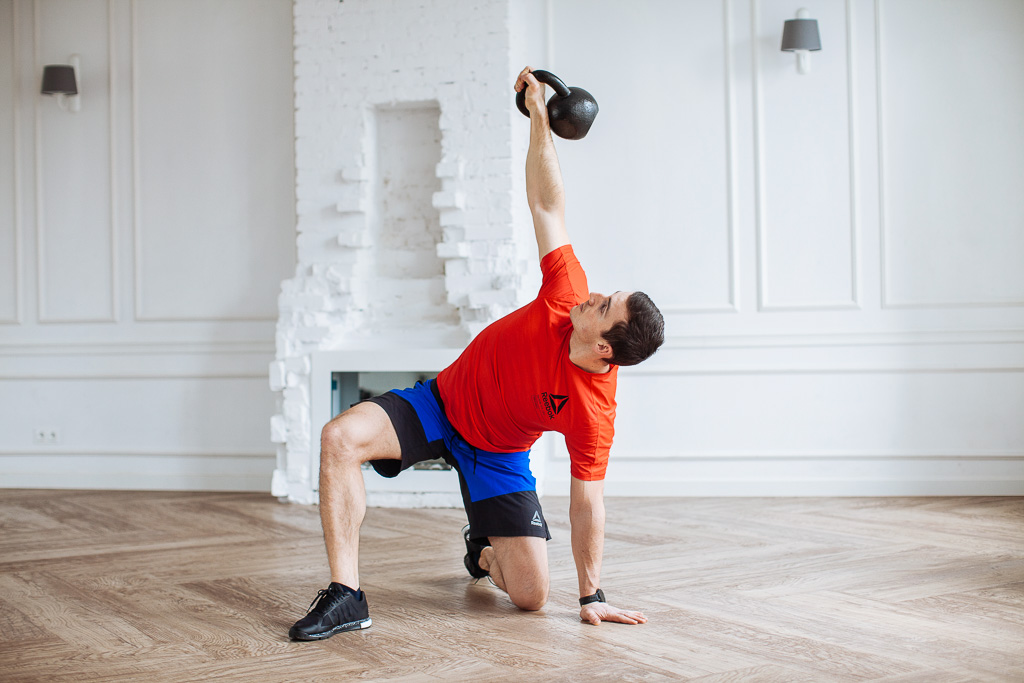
<point>636,339</point>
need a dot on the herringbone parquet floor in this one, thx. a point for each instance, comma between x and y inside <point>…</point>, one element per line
<point>200,586</point>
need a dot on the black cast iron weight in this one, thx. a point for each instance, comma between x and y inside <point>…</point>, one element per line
<point>571,111</point>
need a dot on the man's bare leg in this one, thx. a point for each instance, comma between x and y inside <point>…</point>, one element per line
<point>519,566</point>
<point>363,432</point>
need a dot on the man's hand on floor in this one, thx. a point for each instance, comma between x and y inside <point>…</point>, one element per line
<point>596,612</point>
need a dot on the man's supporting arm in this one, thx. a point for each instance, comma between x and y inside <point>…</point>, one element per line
<point>544,190</point>
<point>586,515</point>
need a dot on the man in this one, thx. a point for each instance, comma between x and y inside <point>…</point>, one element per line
<point>550,366</point>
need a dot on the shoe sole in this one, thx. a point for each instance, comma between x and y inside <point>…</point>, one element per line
<point>350,626</point>
<point>474,568</point>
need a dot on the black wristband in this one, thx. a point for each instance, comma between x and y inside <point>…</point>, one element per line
<point>596,597</point>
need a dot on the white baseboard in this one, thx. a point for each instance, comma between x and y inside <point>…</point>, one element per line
<point>139,472</point>
<point>380,499</point>
<point>849,475</point>
<point>865,488</point>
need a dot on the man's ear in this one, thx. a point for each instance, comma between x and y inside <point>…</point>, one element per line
<point>603,348</point>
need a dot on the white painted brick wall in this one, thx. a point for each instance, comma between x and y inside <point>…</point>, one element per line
<point>350,57</point>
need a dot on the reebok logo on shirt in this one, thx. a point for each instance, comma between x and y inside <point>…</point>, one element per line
<point>553,403</point>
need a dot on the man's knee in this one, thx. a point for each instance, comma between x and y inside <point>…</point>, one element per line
<point>523,564</point>
<point>361,433</point>
<point>529,589</point>
<point>338,442</point>
<point>530,598</point>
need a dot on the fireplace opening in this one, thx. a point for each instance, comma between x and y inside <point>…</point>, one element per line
<point>348,388</point>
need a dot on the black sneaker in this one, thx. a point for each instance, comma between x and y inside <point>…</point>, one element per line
<point>472,559</point>
<point>338,609</point>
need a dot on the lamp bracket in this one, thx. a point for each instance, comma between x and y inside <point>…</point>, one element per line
<point>75,101</point>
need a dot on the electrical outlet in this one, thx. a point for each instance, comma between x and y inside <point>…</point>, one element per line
<point>46,436</point>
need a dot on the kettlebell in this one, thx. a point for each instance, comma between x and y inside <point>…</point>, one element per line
<point>571,111</point>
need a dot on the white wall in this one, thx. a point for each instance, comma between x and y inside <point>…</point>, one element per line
<point>143,241</point>
<point>838,254</point>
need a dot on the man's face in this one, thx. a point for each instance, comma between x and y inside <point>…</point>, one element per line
<point>598,314</point>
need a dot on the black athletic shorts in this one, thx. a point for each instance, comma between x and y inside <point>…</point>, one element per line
<point>498,490</point>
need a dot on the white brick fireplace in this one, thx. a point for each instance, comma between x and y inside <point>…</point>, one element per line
<point>405,177</point>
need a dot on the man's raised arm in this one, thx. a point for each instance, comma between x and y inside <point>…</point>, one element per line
<point>586,516</point>
<point>544,189</point>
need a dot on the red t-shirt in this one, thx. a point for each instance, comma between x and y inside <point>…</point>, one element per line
<point>515,380</point>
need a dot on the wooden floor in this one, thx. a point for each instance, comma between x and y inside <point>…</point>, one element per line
<point>190,586</point>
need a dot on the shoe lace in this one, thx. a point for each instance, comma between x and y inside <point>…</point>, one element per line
<point>320,595</point>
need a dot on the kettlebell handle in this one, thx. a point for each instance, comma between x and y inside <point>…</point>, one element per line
<point>544,77</point>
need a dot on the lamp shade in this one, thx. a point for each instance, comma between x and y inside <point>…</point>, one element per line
<point>59,79</point>
<point>800,34</point>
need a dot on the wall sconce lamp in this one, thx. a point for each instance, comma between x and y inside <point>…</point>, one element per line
<point>801,36</point>
<point>62,80</point>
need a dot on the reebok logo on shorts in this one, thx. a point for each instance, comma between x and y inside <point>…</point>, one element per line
<point>536,521</point>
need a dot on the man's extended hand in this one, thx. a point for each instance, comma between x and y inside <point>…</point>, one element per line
<point>534,94</point>
<point>596,612</point>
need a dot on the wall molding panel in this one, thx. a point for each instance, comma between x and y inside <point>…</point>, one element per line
<point>978,476</point>
<point>13,203</point>
<point>731,305</point>
<point>854,151</point>
<point>70,187</point>
<point>171,134</point>
<point>784,361</point>
<point>761,194</point>
<point>685,217</point>
<point>136,402</point>
<point>136,164</point>
<point>84,454</point>
<point>787,455</point>
<point>892,299</point>
<point>115,221</point>
<point>850,339</point>
<point>138,471</point>
<point>731,182</point>
<point>135,361</point>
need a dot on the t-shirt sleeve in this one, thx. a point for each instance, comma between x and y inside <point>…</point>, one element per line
<point>564,279</point>
<point>589,467</point>
<point>588,453</point>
